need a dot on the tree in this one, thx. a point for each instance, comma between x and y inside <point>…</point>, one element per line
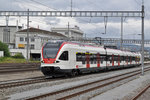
<point>4,47</point>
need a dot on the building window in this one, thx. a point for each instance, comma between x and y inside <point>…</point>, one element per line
<point>32,46</point>
<point>32,39</point>
<point>66,33</point>
<point>21,39</point>
<point>25,39</point>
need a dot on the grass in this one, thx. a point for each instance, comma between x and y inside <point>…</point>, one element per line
<point>15,60</point>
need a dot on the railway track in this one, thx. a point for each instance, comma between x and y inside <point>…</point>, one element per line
<point>15,83</point>
<point>78,90</point>
<point>141,92</point>
<point>10,68</point>
<point>21,82</point>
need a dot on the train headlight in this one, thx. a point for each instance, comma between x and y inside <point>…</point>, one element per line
<point>56,61</point>
<point>42,61</point>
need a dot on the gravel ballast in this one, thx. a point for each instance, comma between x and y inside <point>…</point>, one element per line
<point>42,88</point>
<point>126,91</point>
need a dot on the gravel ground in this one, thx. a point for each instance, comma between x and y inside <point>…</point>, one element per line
<point>145,96</point>
<point>20,75</point>
<point>40,88</point>
<point>126,91</point>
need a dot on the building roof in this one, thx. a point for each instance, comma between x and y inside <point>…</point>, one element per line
<point>41,31</point>
<point>75,29</point>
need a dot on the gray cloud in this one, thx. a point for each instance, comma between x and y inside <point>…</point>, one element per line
<point>85,5</point>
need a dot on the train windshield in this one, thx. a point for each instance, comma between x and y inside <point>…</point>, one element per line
<point>50,49</point>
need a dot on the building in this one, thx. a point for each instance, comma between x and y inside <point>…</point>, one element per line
<point>74,32</point>
<point>7,35</point>
<point>37,37</point>
<point>1,53</point>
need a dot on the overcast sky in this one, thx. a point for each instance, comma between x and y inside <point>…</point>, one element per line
<point>92,27</point>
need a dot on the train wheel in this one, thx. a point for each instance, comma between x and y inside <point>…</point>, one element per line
<point>74,73</point>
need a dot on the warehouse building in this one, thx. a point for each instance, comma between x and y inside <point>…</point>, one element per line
<point>8,35</point>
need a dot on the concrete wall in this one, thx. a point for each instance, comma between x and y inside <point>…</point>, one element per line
<point>1,53</point>
<point>23,52</point>
<point>10,40</point>
<point>1,34</point>
<point>12,33</point>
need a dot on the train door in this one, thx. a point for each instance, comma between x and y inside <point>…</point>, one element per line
<point>98,60</point>
<point>112,59</point>
<point>118,60</point>
<point>64,59</point>
<point>127,60</point>
<point>130,60</point>
<point>72,58</point>
<point>78,60</point>
<point>87,59</point>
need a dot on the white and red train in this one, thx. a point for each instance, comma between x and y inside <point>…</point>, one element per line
<point>69,58</point>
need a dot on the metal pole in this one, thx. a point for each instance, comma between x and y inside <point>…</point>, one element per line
<point>28,36</point>
<point>69,35</point>
<point>142,40</point>
<point>121,46</point>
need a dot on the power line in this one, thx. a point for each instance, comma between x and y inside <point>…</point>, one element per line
<point>137,2</point>
<point>22,4</point>
<point>42,4</point>
<point>56,9</point>
<point>91,2</point>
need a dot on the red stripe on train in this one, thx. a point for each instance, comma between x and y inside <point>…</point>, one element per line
<point>98,60</point>
<point>112,60</point>
<point>118,60</point>
<point>88,61</point>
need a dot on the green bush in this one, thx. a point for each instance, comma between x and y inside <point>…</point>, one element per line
<point>4,47</point>
<point>18,56</point>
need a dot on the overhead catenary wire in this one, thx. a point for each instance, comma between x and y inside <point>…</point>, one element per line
<point>42,4</point>
<point>71,10</point>
<point>54,8</point>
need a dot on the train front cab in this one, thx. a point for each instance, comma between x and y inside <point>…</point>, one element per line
<point>53,57</point>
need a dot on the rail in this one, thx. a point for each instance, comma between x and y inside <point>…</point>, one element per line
<point>111,80</point>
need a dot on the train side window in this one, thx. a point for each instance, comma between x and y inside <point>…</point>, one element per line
<point>83,58</point>
<point>128,58</point>
<point>78,57</point>
<point>133,58</point>
<point>64,56</point>
<point>110,59</point>
<point>102,58</point>
<point>117,58</point>
<point>94,58</point>
<point>120,59</point>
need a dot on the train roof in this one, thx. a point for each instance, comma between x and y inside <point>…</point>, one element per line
<point>92,47</point>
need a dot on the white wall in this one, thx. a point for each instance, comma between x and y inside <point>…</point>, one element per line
<point>23,52</point>
<point>1,34</point>
<point>1,53</point>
